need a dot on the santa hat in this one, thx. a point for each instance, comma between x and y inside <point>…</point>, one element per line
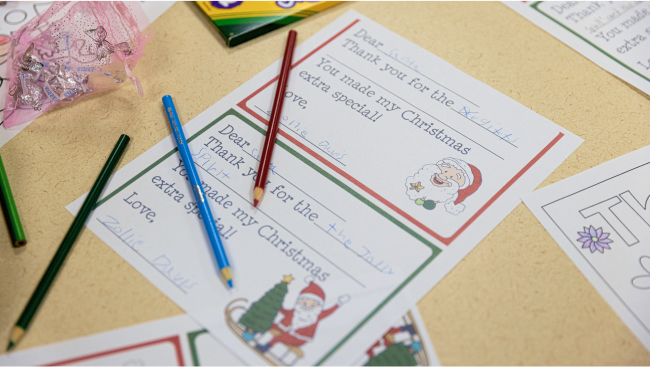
<point>313,291</point>
<point>472,187</point>
<point>472,178</point>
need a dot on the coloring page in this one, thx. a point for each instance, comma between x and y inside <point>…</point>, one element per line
<point>601,219</point>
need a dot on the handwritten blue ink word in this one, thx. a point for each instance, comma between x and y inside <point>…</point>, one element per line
<point>327,148</point>
<point>486,123</point>
<point>370,259</point>
<point>394,53</point>
<point>164,264</point>
<point>208,159</point>
<point>367,256</point>
<point>294,125</point>
<point>331,151</point>
<point>255,154</point>
<point>114,226</point>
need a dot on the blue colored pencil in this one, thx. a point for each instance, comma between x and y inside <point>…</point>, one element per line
<point>197,188</point>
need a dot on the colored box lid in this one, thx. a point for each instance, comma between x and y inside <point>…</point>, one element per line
<point>240,21</point>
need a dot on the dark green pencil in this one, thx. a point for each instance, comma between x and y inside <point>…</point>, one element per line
<point>9,208</point>
<point>68,241</point>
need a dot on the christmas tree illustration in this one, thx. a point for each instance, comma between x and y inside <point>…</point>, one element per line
<point>260,315</point>
<point>395,355</point>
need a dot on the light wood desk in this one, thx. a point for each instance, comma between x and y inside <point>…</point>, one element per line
<point>515,299</point>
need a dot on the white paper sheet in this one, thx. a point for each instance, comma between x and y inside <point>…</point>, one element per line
<point>615,34</point>
<point>14,15</point>
<point>181,341</point>
<point>344,206</point>
<point>601,219</point>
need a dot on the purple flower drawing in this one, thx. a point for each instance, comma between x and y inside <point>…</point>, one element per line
<point>594,239</point>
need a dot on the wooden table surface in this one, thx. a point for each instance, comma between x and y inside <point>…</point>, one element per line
<point>515,299</point>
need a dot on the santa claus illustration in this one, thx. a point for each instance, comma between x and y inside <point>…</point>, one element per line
<point>402,334</point>
<point>298,326</point>
<point>448,182</point>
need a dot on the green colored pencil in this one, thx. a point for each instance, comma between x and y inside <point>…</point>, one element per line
<point>68,241</point>
<point>9,208</point>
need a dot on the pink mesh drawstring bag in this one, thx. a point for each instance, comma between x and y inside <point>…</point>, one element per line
<point>70,51</point>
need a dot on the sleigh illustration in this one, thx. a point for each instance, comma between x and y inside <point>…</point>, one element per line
<point>278,355</point>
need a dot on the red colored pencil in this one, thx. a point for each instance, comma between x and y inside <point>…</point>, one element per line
<point>274,123</point>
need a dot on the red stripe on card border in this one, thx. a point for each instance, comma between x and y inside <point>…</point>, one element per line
<point>174,340</point>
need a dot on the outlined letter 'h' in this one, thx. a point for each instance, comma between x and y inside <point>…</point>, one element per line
<point>604,208</point>
<point>642,210</point>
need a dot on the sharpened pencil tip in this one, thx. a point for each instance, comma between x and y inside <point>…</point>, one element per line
<point>16,334</point>
<point>226,273</point>
<point>257,195</point>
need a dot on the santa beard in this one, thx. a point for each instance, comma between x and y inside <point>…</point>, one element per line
<point>431,191</point>
<point>303,317</point>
